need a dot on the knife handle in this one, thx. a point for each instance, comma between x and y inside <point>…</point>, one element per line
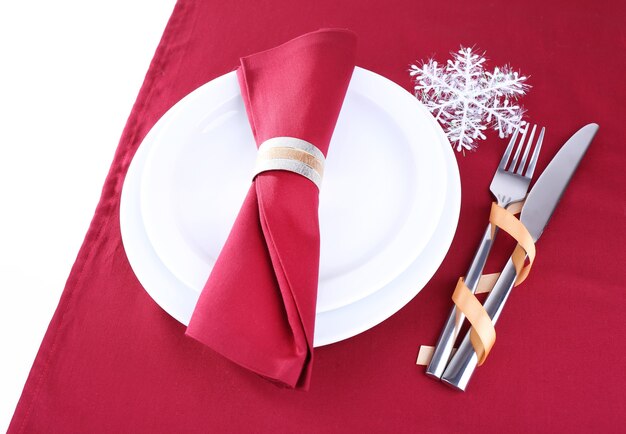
<point>445,344</point>
<point>464,362</point>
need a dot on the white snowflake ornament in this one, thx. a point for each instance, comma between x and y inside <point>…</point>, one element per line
<point>466,99</point>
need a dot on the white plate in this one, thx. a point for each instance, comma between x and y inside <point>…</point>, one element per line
<point>179,299</point>
<point>382,195</point>
<point>337,325</point>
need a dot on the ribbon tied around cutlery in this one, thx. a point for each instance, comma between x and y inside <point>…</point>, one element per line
<point>483,333</point>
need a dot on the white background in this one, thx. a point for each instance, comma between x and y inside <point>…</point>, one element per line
<point>69,74</point>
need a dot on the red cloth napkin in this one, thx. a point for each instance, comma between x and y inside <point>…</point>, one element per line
<point>258,305</point>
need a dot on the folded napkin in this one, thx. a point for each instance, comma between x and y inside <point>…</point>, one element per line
<point>258,305</point>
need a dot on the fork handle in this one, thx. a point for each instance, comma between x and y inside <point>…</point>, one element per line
<point>445,344</point>
<point>465,360</point>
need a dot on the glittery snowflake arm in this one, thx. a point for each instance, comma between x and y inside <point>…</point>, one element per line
<point>466,99</point>
<point>504,87</point>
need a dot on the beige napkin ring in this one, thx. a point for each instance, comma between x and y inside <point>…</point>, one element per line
<point>291,154</point>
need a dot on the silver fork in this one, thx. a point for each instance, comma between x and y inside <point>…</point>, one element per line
<point>509,185</point>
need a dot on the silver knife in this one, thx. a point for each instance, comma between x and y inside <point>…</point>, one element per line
<point>537,210</point>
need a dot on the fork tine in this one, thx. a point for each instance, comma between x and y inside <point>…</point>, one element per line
<point>513,163</point>
<point>520,168</point>
<point>533,160</point>
<point>507,151</point>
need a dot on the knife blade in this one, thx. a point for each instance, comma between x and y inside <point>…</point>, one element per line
<point>537,211</point>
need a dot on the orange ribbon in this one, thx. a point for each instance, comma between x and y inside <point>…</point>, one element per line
<point>482,332</point>
<point>506,220</point>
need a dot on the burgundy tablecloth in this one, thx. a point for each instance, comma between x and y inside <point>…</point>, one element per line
<point>113,361</point>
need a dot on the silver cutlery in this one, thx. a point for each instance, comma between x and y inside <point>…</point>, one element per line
<point>538,208</point>
<point>509,185</point>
